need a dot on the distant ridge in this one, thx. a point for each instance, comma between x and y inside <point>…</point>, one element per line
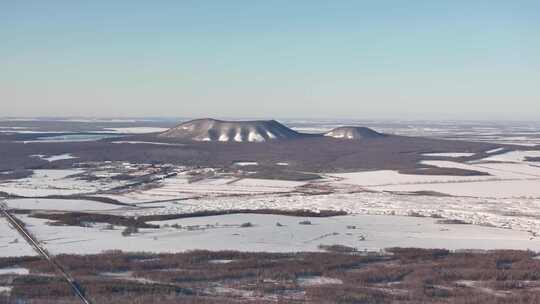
<point>354,133</point>
<point>213,130</point>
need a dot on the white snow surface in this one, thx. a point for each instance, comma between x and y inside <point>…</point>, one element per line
<point>223,137</point>
<point>224,233</point>
<point>510,176</point>
<point>516,213</point>
<point>270,135</point>
<point>512,156</point>
<point>391,177</point>
<point>53,158</point>
<point>52,182</point>
<point>450,154</point>
<point>179,187</point>
<point>255,137</point>
<point>488,189</point>
<point>494,150</point>
<point>318,280</point>
<point>246,164</point>
<point>224,185</point>
<point>11,243</point>
<point>14,270</point>
<point>496,170</point>
<point>58,204</point>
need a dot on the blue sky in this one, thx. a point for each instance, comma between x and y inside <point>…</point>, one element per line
<point>325,59</point>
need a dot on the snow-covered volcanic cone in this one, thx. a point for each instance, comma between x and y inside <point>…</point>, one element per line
<point>230,131</point>
<point>356,133</point>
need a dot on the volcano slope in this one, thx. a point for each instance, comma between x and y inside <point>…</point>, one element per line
<point>354,133</point>
<point>208,129</point>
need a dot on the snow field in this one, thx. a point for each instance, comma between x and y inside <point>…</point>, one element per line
<point>372,232</point>
<point>54,182</point>
<point>59,204</point>
<point>11,243</point>
<point>509,177</point>
<point>450,154</point>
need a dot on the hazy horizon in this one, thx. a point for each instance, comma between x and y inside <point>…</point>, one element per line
<point>360,60</point>
<point>343,120</point>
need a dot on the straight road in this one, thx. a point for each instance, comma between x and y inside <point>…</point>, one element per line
<point>43,252</point>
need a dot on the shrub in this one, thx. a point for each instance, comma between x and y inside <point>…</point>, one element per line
<point>129,230</point>
<point>337,248</point>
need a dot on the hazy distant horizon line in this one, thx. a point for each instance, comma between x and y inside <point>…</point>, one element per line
<point>182,118</point>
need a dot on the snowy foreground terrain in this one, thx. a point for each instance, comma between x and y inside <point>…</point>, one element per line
<point>498,210</point>
<point>225,232</point>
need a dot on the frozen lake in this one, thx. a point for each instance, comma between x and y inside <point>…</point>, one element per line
<point>73,138</point>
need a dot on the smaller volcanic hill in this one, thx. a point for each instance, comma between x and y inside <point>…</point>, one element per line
<point>355,133</point>
<point>208,129</point>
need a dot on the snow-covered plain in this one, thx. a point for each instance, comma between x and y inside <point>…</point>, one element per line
<point>520,214</point>
<point>509,176</point>
<point>226,185</point>
<point>488,189</point>
<point>512,156</point>
<point>58,204</point>
<point>497,170</point>
<point>391,177</point>
<point>449,154</point>
<point>372,232</point>
<point>180,187</point>
<point>11,243</point>
<point>53,182</point>
<point>509,197</point>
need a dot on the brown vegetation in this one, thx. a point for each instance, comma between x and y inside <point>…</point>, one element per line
<point>401,275</point>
